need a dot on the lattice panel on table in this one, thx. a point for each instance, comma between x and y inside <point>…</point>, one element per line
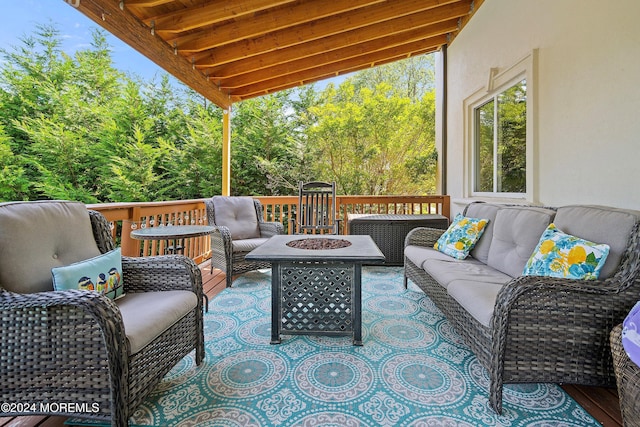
<point>317,297</point>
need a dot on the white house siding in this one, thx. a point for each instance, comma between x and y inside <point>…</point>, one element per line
<point>588,93</point>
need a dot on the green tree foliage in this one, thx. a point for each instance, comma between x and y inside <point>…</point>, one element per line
<point>13,182</point>
<point>512,134</point>
<point>74,127</point>
<point>373,137</point>
<point>269,143</point>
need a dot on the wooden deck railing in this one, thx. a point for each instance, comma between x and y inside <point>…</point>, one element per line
<point>125,217</point>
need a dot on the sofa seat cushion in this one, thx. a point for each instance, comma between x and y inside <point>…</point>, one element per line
<point>247,245</point>
<point>446,272</point>
<point>600,224</point>
<point>419,254</point>
<point>516,233</point>
<point>477,298</point>
<point>146,315</point>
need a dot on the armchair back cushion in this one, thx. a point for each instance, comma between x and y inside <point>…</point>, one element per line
<point>599,225</point>
<point>52,233</point>
<point>238,214</point>
<point>516,233</point>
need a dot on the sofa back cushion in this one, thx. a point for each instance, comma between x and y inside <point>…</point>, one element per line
<point>516,233</point>
<point>599,224</point>
<point>487,211</point>
<point>37,236</point>
<point>238,214</point>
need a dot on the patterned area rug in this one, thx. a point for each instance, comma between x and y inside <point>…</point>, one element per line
<point>413,370</point>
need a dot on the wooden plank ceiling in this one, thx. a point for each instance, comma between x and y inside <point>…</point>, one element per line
<point>230,50</point>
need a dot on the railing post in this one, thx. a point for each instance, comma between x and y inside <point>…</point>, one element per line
<point>128,244</point>
<point>446,206</point>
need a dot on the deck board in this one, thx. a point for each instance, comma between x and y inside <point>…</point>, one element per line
<point>602,403</point>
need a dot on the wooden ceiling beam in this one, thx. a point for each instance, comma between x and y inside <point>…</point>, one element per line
<point>331,26</point>
<point>464,20</point>
<point>280,18</point>
<point>363,60</point>
<point>428,23</point>
<point>146,3</point>
<point>339,55</point>
<point>136,34</point>
<point>209,13</point>
<point>242,97</point>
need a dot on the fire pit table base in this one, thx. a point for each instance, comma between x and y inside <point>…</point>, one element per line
<point>316,292</point>
<point>317,298</point>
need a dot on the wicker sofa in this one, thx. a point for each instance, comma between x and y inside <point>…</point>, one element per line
<point>77,352</point>
<point>526,329</point>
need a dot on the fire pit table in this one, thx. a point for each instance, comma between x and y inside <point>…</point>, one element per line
<point>316,283</point>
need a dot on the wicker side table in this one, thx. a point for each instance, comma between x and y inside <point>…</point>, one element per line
<point>389,231</point>
<point>628,379</point>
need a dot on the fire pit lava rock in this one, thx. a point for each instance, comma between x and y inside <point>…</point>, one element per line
<point>318,244</point>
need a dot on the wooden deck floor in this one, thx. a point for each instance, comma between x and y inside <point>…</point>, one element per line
<point>601,403</point>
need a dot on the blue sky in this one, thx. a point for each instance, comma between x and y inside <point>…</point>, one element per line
<point>19,18</point>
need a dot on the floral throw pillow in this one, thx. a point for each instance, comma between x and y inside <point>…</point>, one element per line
<point>102,273</point>
<point>562,255</point>
<point>461,236</point>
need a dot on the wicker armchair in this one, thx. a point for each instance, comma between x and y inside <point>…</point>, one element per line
<point>543,329</point>
<point>628,379</point>
<point>81,347</point>
<point>240,228</point>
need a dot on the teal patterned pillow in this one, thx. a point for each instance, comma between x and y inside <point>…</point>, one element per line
<point>562,255</point>
<point>101,274</point>
<point>461,236</point>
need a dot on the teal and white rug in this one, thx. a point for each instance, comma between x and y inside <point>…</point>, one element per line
<point>413,370</point>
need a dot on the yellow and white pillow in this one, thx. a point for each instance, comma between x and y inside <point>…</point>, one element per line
<point>461,236</point>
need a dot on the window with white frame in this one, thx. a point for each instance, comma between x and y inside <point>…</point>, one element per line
<point>501,141</point>
<point>500,134</point>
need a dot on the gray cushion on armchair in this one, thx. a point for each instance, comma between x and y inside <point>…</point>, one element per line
<point>238,215</point>
<point>59,234</point>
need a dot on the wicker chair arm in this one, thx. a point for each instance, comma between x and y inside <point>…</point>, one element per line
<point>101,231</point>
<point>563,322</point>
<point>270,229</point>
<point>88,324</point>
<point>423,236</point>
<point>161,273</point>
<point>549,301</point>
<point>221,241</point>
